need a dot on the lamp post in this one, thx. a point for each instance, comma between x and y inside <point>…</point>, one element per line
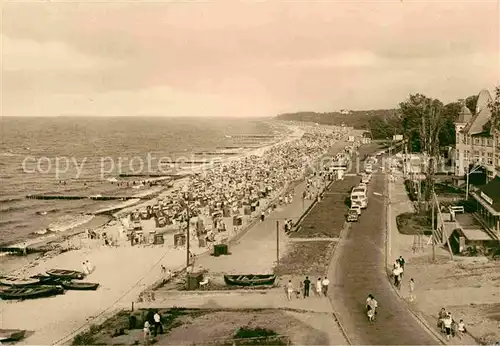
<point>470,171</point>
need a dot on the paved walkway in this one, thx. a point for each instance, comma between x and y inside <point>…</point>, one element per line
<point>271,299</point>
<point>402,245</point>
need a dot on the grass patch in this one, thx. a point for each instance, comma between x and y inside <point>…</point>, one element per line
<point>413,224</point>
<point>306,258</point>
<point>326,219</point>
<point>258,336</point>
<point>125,321</point>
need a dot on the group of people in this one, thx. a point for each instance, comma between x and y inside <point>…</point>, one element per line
<point>398,269</point>
<point>87,267</point>
<point>152,327</point>
<point>371,307</point>
<point>449,326</point>
<point>320,288</point>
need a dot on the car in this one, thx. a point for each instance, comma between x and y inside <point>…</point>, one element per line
<point>356,208</point>
<point>365,179</point>
<point>352,216</point>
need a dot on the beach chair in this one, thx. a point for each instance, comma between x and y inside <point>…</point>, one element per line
<point>204,283</point>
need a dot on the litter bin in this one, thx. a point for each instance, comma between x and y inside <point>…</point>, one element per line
<point>193,281</point>
<point>220,249</point>
<point>159,239</point>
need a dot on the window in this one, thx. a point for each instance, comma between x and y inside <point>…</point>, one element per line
<point>483,142</point>
<point>476,141</point>
<point>490,161</point>
<point>476,153</point>
<point>490,142</point>
<point>490,154</point>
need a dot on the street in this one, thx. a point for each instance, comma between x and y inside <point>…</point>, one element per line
<point>358,269</point>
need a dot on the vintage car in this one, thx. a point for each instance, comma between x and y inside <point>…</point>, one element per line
<point>352,215</point>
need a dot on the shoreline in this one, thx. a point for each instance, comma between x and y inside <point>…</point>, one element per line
<point>124,272</point>
<point>36,243</point>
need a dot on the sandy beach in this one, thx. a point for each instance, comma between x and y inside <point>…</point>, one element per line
<point>123,271</point>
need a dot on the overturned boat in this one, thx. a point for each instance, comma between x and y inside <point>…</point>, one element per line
<point>250,280</point>
<point>31,292</point>
<point>66,283</point>
<point>79,286</point>
<point>11,334</point>
<point>66,274</point>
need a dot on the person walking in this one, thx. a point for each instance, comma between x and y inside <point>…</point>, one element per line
<point>411,287</point>
<point>158,327</point>
<point>307,285</point>
<point>319,289</point>
<point>289,290</point>
<point>447,322</point>
<point>401,263</point>
<point>324,285</point>
<point>146,332</point>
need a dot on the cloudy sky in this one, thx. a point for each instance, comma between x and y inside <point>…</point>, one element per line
<point>242,58</point>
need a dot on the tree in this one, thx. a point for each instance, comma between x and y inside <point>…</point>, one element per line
<point>494,106</point>
<point>471,103</point>
<point>422,121</point>
<point>447,135</point>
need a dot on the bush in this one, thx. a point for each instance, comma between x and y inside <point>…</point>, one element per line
<point>258,336</point>
<point>413,224</point>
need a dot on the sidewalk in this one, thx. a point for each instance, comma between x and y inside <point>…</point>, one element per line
<point>428,301</point>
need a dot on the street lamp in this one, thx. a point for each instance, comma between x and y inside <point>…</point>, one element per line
<point>475,168</point>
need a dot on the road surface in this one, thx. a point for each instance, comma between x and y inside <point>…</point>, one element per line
<point>358,269</point>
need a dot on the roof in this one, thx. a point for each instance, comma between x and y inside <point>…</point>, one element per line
<point>483,114</point>
<point>492,190</point>
<point>476,234</point>
<point>465,115</point>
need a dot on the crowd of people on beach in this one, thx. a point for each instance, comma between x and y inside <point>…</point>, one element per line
<point>244,186</point>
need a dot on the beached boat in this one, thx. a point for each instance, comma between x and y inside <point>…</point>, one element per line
<point>250,280</point>
<point>11,334</point>
<point>18,282</point>
<point>31,292</point>
<point>48,279</point>
<point>80,286</point>
<point>66,274</point>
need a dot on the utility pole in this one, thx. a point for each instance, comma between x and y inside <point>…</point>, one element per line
<point>188,252</point>
<point>433,234</point>
<point>277,243</point>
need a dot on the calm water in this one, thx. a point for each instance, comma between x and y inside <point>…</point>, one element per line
<point>90,151</point>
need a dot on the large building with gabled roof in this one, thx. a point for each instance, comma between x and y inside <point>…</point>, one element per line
<point>477,147</point>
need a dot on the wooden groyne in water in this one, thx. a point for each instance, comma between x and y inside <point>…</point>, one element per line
<point>95,198</point>
<point>153,175</point>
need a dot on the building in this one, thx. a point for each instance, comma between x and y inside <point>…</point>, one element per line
<point>475,143</point>
<point>477,148</point>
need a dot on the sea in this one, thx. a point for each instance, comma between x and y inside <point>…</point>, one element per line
<point>86,155</point>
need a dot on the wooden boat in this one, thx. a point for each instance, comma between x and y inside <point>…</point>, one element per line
<point>18,282</point>
<point>81,286</point>
<point>66,274</point>
<point>250,280</point>
<point>49,280</point>
<point>11,334</point>
<point>31,292</point>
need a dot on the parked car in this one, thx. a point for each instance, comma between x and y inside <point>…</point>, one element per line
<point>352,215</point>
<point>356,208</point>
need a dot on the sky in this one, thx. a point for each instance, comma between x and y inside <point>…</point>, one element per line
<point>241,58</point>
